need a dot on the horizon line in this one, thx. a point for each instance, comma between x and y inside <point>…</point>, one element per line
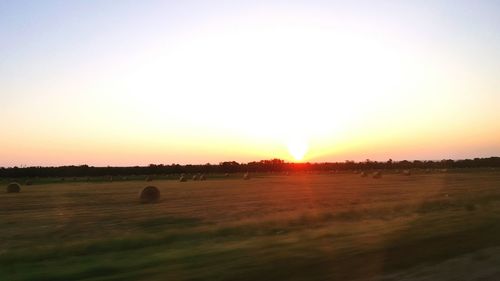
<point>255,161</point>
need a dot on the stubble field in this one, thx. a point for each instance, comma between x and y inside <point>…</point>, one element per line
<point>426,226</point>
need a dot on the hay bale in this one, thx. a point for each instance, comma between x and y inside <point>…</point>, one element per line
<point>377,175</point>
<point>148,178</point>
<point>13,187</point>
<point>27,182</point>
<point>195,177</point>
<point>407,172</point>
<point>149,194</point>
<point>363,174</point>
<point>226,175</point>
<point>202,177</point>
<point>182,178</point>
<point>246,176</point>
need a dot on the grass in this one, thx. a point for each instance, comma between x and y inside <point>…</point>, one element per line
<point>101,179</point>
<point>272,227</point>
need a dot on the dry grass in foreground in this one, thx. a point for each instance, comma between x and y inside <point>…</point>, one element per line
<point>297,227</point>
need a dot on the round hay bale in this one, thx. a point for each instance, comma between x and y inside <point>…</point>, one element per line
<point>377,175</point>
<point>407,172</point>
<point>195,177</point>
<point>27,182</point>
<point>149,194</point>
<point>13,187</point>
<point>226,175</point>
<point>202,177</point>
<point>182,178</point>
<point>148,178</point>
<point>246,176</point>
<point>363,174</point>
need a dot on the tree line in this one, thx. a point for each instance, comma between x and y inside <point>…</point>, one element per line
<point>273,165</point>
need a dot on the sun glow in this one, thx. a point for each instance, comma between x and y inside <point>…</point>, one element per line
<point>298,148</point>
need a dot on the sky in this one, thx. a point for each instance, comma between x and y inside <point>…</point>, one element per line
<point>137,82</point>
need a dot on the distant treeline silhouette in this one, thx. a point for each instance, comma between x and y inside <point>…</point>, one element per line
<point>274,165</point>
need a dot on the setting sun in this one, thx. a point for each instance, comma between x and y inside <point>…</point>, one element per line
<point>297,148</point>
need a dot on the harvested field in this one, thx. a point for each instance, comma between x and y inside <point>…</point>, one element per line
<point>298,227</point>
